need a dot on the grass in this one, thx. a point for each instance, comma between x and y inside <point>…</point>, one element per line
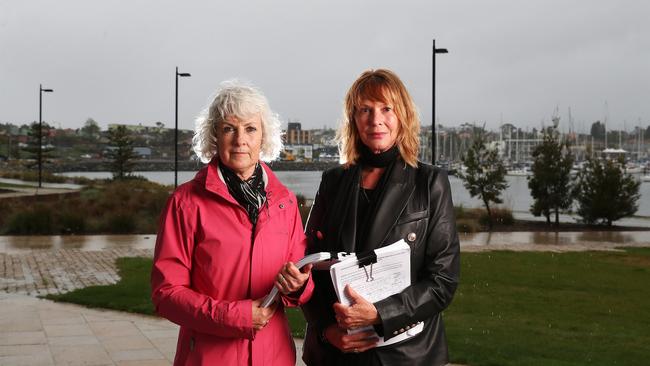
<point>131,293</point>
<point>511,308</point>
<point>584,308</point>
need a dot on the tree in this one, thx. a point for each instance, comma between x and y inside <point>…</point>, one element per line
<point>552,162</point>
<point>33,141</point>
<point>598,130</point>
<point>485,174</point>
<point>120,152</point>
<point>90,129</point>
<point>604,192</point>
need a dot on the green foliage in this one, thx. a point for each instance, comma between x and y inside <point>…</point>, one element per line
<point>467,226</point>
<point>485,174</point>
<point>32,176</point>
<point>130,206</point>
<point>71,221</point>
<point>501,216</point>
<point>90,129</point>
<point>550,183</point>
<point>605,193</point>
<point>131,293</point>
<point>598,130</point>
<point>531,308</point>
<point>121,152</point>
<point>119,222</point>
<point>35,130</point>
<point>35,220</point>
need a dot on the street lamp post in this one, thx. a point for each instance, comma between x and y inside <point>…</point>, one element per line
<point>183,75</point>
<point>40,131</point>
<point>433,101</point>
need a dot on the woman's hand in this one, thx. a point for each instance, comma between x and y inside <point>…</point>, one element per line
<point>262,316</point>
<point>291,279</point>
<point>360,314</point>
<point>354,343</point>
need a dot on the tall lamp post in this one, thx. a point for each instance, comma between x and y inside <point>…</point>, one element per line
<point>433,101</point>
<point>183,75</point>
<point>40,131</point>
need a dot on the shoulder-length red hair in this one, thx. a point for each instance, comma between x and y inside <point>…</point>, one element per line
<point>384,86</point>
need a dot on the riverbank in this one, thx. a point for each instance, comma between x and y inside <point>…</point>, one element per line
<point>143,165</point>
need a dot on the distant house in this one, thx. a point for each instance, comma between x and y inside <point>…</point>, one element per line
<point>142,152</point>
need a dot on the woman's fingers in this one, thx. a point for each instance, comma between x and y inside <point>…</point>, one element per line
<point>290,279</point>
<point>262,316</point>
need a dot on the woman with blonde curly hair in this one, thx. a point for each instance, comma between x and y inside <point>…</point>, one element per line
<point>380,195</point>
<point>227,237</point>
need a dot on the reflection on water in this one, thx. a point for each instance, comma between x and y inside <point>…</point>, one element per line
<point>84,242</point>
<point>99,242</point>
<point>555,238</point>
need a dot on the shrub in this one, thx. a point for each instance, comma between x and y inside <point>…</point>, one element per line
<point>71,222</point>
<point>120,222</point>
<point>471,213</point>
<point>467,226</point>
<point>500,216</point>
<point>36,220</point>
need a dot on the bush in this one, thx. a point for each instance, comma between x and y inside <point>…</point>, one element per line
<point>71,222</point>
<point>467,226</point>
<point>500,216</point>
<point>120,222</point>
<point>36,220</point>
<point>465,213</point>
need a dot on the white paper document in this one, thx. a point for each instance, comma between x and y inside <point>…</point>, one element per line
<point>311,258</point>
<point>390,274</point>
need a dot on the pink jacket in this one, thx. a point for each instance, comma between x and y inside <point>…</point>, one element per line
<point>206,271</point>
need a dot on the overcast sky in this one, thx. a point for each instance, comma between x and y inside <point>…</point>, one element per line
<point>511,61</point>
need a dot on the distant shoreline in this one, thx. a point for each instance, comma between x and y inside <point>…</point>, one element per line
<point>167,165</point>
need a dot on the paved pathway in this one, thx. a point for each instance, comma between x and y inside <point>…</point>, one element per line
<point>37,332</point>
<point>42,272</point>
<point>41,332</point>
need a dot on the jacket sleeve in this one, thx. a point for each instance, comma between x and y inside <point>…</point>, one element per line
<point>298,248</point>
<point>440,271</point>
<point>172,294</point>
<point>318,311</point>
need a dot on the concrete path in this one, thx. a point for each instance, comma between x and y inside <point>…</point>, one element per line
<point>37,332</point>
<point>41,332</point>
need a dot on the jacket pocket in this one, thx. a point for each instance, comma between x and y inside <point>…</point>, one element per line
<point>413,216</point>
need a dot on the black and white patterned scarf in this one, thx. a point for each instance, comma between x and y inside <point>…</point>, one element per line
<point>250,194</point>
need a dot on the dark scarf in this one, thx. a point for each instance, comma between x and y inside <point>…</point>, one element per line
<point>250,194</point>
<point>380,160</point>
<point>367,211</point>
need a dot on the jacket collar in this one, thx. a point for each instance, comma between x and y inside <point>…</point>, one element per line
<point>395,197</point>
<point>210,177</point>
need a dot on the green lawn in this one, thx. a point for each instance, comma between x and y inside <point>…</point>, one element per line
<point>512,308</point>
<point>588,308</point>
<point>131,294</point>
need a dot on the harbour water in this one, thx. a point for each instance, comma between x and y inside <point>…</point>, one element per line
<point>21,244</point>
<point>516,196</point>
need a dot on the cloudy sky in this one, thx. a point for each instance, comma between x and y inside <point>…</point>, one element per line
<point>511,61</point>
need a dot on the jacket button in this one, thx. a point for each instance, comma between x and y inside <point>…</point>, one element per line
<point>282,205</point>
<point>411,237</point>
<point>401,330</point>
<point>395,332</point>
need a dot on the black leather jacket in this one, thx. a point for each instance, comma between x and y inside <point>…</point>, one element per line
<point>416,206</point>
